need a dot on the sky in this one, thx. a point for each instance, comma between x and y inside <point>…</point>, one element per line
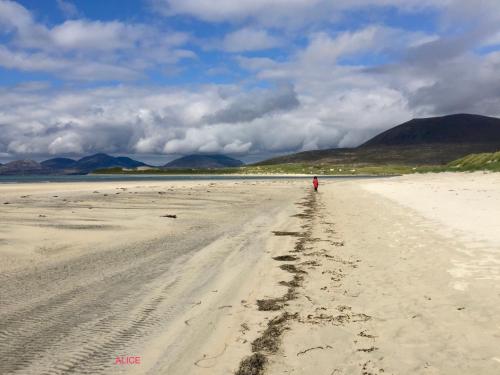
<point>157,79</point>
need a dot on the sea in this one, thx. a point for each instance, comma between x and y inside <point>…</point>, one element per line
<point>102,178</point>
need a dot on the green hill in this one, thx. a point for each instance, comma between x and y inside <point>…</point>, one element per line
<point>428,141</point>
<point>204,161</point>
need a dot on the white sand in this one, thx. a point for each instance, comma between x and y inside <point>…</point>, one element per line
<point>415,288</point>
<point>459,205</point>
<point>402,276</point>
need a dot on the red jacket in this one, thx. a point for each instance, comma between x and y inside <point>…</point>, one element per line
<point>315,183</point>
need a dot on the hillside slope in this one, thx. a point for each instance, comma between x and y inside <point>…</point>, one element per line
<point>59,163</point>
<point>428,141</point>
<point>204,161</point>
<point>24,167</point>
<point>97,161</point>
<point>62,166</point>
<point>456,129</point>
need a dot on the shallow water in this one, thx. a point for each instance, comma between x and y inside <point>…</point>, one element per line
<point>100,178</point>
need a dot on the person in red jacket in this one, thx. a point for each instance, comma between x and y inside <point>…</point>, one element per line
<point>315,183</point>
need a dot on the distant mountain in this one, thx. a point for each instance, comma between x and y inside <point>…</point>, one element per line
<point>129,163</point>
<point>69,166</point>
<point>460,128</point>
<point>22,167</point>
<point>59,163</point>
<point>99,161</point>
<point>204,161</point>
<point>434,140</point>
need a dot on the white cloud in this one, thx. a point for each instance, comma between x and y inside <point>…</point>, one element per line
<point>255,63</point>
<point>326,50</point>
<point>318,101</point>
<point>132,120</point>
<point>327,88</point>
<point>81,49</point>
<point>71,69</point>
<point>68,143</point>
<point>68,8</point>
<point>285,13</point>
<point>252,105</point>
<point>96,35</point>
<point>250,39</point>
<point>14,16</point>
<point>228,10</point>
<point>237,147</point>
<point>29,61</point>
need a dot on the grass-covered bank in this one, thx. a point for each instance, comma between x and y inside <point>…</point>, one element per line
<point>292,169</point>
<point>475,162</point>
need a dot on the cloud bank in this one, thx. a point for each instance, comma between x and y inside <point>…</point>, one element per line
<point>292,83</point>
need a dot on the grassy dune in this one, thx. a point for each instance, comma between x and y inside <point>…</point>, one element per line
<point>474,162</point>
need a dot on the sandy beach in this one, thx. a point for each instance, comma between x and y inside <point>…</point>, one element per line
<point>367,276</point>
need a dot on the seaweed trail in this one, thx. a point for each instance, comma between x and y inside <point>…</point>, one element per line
<point>268,343</point>
<point>285,258</point>
<point>252,365</point>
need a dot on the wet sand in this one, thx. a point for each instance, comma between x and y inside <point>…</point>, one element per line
<point>363,277</point>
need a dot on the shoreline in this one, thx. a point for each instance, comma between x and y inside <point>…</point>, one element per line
<point>154,177</point>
